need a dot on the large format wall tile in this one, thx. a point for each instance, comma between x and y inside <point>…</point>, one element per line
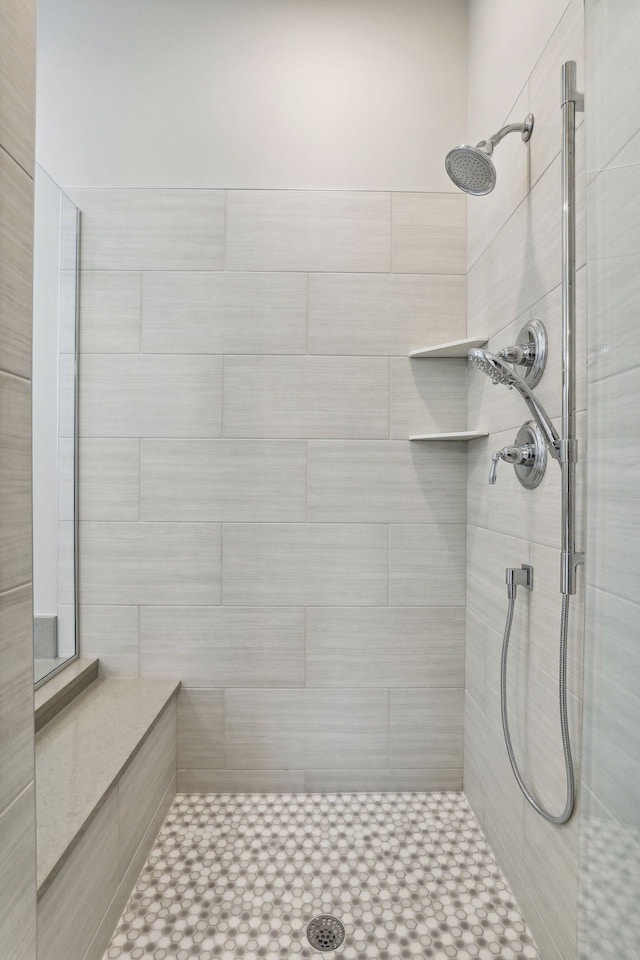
<point>427,396</point>
<point>429,233</point>
<point>18,81</point>
<point>614,211</point>
<point>488,556</point>
<point>274,397</point>
<point>529,246</point>
<point>16,693</point>
<point>151,229</point>
<point>613,85</point>
<point>16,252</point>
<point>291,564</point>
<point>243,480</point>
<point>426,563</point>
<point>110,470</point>
<point>383,781</point>
<point>200,729</point>
<point>110,633</point>
<point>396,647</point>
<point>339,728</point>
<point>385,481</point>
<point>567,43</point>
<point>613,290</point>
<point>611,736</point>
<point>15,482</point>
<point>425,728</point>
<point>255,313</point>
<point>150,396</point>
<point>368,314</point>
<point>150,563</point>
<point>18,878</point>
<point>230,480</point>
<point>308,230</point>
<point>240,781</point>
<point>224,646</point>
<point>110,305</point>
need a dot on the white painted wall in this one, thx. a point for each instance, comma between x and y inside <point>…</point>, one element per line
<point>365,94</point>
<point>506,38</point>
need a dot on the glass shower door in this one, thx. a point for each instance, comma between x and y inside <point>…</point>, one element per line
<point>609,887</point>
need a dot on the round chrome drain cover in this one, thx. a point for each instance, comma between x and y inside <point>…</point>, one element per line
<point>325,933</point>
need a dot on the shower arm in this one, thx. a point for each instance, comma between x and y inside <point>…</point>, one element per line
<point>523,128</point>
<point>572,101</point>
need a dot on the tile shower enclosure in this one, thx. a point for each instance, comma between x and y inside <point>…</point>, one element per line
<point>253,519</point>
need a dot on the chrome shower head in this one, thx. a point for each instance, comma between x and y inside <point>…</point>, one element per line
<point>472,169</point>
<point>499,371</point>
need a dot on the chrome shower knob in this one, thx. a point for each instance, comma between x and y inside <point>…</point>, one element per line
<point>529,352</point>
<point>528,456</point>
<point>516,454</point>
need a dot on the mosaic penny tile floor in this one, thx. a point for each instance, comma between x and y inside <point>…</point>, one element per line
<point>409,875</point>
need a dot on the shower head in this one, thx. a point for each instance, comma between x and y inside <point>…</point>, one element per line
<point>499,371</point>
<point>472,169</point>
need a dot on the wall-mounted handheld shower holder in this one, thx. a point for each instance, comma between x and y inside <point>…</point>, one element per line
<point>527,454</point>
<point>530,351</point>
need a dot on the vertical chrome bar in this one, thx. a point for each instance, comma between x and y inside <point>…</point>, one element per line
<point>571,101</point>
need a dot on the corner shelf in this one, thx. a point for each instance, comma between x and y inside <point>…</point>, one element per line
<point>463,435</point>
<point>456,348</point>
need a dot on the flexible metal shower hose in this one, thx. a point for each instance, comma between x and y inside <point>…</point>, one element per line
<point>564,720</point>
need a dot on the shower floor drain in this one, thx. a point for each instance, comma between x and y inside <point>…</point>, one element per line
<point>325,933</point>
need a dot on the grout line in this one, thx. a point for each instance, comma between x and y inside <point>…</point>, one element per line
<point>139,518</point>
<point>18,376</point>
<point>307,345</point>
<point>391,232</point>
<point>389,403</point>
<point>225,232</point>
<point>222,379</point>
<point>141,276</point>
<point>306,481</point>
<point>306,618</point>
<point>17,163</point>
<point>388,604</point>
<point>388,767</point>
<point>221,601</point>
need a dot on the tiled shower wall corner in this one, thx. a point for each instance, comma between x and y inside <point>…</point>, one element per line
<point>17,792</point>
<point>254,521</point>
<point>515,274</point>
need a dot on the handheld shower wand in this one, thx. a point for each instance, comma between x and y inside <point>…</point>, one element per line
<point>501,372</point>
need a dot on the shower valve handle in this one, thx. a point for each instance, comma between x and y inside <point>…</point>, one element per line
<point>521,453</point>
<point>523,354</point>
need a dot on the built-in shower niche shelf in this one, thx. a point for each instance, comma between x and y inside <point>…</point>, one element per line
<point>456,348</point>
<point>463,435</point>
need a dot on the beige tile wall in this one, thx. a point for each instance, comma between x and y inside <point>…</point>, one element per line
<point>514,274</point>
<point>17,803</point>
<point>254,519</point>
